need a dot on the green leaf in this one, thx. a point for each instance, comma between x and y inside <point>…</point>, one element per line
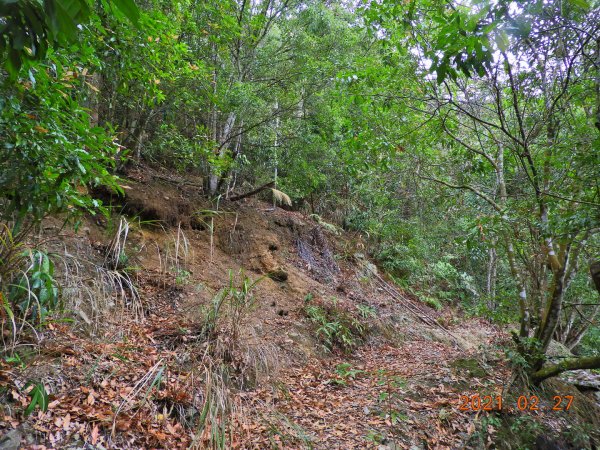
<point>502,40</point>
<point>580,3</point>
<point>129,9</point>
<point>39,397</point>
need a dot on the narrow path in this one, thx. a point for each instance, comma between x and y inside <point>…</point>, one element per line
<point>379,397</point>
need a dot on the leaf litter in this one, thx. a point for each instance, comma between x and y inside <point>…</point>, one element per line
<point>145,383</point>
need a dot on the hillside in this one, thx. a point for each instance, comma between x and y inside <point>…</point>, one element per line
<point>252,327</point>
<point>300,224</point>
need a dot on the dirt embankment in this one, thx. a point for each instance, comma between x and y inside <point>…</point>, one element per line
<point>197,324</point>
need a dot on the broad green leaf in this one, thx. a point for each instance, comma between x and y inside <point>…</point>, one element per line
<point>129,9</point>
<point>580,3</point>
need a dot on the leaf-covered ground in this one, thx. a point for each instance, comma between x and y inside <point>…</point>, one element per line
<point>146,373</point>
<point>398,397</point>
<point>112,395</point>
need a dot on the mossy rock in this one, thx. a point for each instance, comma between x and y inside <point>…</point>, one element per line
<point>558,350</point>
<point>469,365</point>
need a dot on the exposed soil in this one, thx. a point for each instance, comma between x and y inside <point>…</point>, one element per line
<point>136,368</point>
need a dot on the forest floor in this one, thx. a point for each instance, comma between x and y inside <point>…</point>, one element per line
<point>145,368</point>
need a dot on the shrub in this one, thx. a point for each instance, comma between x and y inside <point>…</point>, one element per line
<point>49,153</point>
<point>171,148</point>
<point>336,327</point>
<point>28,290</point>
<point>35,293</point>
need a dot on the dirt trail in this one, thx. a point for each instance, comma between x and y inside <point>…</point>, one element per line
<point>141,373</point>
<point>382,396</point>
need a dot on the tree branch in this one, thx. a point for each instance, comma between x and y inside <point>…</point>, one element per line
<point>590,362</point>
<point>477,192</point>
<point>235,198</point>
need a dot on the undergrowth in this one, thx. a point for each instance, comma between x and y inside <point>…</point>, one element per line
<point>336,327</point>
<point>28,288</point>
<point>229,361</point>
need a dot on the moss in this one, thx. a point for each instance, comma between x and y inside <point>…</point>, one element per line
<point>471,366</point>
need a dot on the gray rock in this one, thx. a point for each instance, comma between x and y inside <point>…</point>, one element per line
<point>558,350</point>
<point>11,440</point>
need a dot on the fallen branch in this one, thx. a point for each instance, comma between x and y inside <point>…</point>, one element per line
<point>235,198</point>
<point>421,315</point>
<point>589,362</point>
<point>175,181</point>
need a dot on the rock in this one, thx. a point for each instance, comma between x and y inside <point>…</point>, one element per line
<point>278,275</point>
<point>582,379</point>
<point>368,268</point>
<point>558,350</point>
<point>11,440</point>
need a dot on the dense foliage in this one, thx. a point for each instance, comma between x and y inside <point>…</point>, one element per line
<point>463,142</point>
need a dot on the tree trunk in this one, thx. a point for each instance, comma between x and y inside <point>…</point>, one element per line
<point>553,309</point>
<point>575,334</point>
<point>491,278</point>
<point>597,122</point>
<point>595,274</point>
<point>235,198</point>
<point>224,140</point>
<point>275,150</point>
<point>523,307</point>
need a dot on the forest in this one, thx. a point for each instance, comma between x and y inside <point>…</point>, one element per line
<point>300,224</point>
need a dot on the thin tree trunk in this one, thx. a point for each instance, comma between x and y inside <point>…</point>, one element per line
<point>224,140</point>
<point>491,278</point>
<point>237,150</point>
<point>235,198</point>
<point>573,338</point>
<point>523,306</point>
<point>598,84</point>
<point>275,150</point>
<point>552,314</point>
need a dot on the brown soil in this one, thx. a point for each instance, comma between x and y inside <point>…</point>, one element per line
<point>131,371</point>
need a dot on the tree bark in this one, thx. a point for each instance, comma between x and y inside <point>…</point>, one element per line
<point>595,273</point>
<point>597,122</point>
<point>235,198</point>
<point>224,141</point>
<point>491,278</point>
<point>553,309</point>
<point>591,362</point>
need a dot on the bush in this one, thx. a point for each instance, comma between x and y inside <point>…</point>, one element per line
<point>49,153</point>
<point>336,327</point>
<point>28,290</point>
<point>171,148</point>
<point>35,293</point>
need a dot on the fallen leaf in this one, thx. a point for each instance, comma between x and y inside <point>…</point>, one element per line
<point>95,434</point>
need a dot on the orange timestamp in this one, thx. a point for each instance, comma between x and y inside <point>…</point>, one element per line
<point>477,402</point>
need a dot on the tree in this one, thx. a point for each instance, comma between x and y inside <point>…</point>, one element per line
<point>510,92</point>
<point>29,28</point>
